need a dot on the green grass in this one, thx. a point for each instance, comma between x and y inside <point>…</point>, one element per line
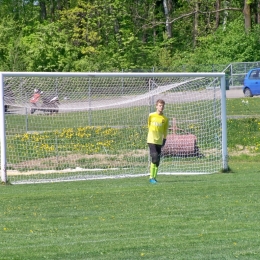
<point>249,107</point>
<point>243,124</point>
<point>40,136</point>
<point>19,124</point>
<point>183,217</point>
<point>243,133</point>
<point>136,116</point>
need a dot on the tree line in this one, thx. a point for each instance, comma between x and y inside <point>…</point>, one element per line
<point>116,35</point>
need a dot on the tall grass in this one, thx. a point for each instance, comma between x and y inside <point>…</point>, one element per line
<point>241,107</point>
<point>243,124</point>
<point>67,132</point>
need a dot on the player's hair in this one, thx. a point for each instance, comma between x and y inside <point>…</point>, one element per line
<point>160,101</point>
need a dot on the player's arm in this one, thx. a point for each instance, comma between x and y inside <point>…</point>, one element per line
<point>166,127</point>
<point>165,132</point>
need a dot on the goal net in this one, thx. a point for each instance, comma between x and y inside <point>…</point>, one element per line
<point>76,126</point>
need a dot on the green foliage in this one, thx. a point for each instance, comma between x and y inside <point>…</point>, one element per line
<point>227,45</point>
<point>10,51</point>
<point>81,26</point>
<point>47,49</point>
<point>120,35</point>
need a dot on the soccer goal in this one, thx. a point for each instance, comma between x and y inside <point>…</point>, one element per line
<point>77,126</point>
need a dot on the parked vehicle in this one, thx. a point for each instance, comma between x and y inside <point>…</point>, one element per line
<point>251,85</point>
<point>50,103</point>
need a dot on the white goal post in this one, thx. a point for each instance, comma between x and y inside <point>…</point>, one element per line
<point>94,125</point>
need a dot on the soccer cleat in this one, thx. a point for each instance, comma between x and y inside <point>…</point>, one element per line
<point>153,181</point>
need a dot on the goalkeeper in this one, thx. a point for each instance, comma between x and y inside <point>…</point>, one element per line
<point>157,133</point>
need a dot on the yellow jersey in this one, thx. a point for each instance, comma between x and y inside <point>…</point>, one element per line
<point>157,128</point>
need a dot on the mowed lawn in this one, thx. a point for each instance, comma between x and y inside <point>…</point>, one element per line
<point>182,217</point>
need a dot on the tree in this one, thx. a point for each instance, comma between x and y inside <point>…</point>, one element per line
<point>167,10</point>
<point>47,49</point>
<point>43,10</point>
<point>10,52</point>
<point>247,15</point>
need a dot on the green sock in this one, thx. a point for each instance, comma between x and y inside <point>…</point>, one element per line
<point>152,170</point>
<point>155,171</point>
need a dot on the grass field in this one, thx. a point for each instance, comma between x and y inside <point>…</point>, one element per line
<point>192,217</point>
<point>182,217</point>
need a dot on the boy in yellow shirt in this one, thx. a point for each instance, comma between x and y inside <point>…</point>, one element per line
<point>158,125</point>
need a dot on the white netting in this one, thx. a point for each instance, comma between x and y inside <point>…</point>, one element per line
<point>98,129</point>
